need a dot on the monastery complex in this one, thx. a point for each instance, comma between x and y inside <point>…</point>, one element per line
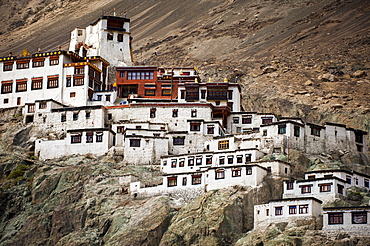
<point>195,130</point>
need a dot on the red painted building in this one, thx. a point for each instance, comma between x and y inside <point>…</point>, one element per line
<point>152,82</point>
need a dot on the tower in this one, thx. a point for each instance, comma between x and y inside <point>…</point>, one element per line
<point>108,37</point>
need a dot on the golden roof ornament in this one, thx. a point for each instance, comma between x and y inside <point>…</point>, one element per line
<point>25,53</point>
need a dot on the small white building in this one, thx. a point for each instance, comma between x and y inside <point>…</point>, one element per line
<point>288,210</point>
<point>77,142</point>
<point>352,220</point>
<point>326,185</point>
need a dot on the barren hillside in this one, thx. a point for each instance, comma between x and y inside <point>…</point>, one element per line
<point>295,58</point>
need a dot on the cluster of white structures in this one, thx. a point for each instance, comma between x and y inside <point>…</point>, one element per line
<point>201,138</point>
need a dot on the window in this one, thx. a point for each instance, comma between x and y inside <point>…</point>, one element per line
<point>366,183</point>
<point>297,130</point>
<point>120,37</point>
<point>31,108</point>
<point>76,138</point>
<point>266,120</point>
<point>230,159</point>
<point>191,161</point>
<point>248,158</point>
<point>80,70</point>
<point>110,36</point>
<point>121,74</point>
<point>196,179</point>
<point>203,94</point>
<point>247,119</point>
<point>359,217</point>
<point>179,140</point>
<point>184,181</point>
<point>8,66</point>
<point>134,142</point>
<point>21,86</point>
<point>23,65</point>
<point>290,185</point>
<point>171,181</point>
<point>267,212</point>
<point>6,100</point>
<point>264,133</point>
<point>99,137</point>
<point>140,75</point>
<point>89,137</point>
<point>278,211</point>
<point>325,187</point>
<point>110,116</point>
<point>220,174</point>
<point>222,160</point>
<point>78,81</point>
<point>38,63</point>
<point>149,92</point>
<point>195,127</point>
<point>68,82</point>
<point>53,83</point>
<point>152,112</point>
<point>6,87</point>
<point>19,101</point>
<point>236,120</point>
<point>120,129</point>
<point>138,127</point>
<point>87,114</point>
<point>182,94</point>
<point>315,131</point>
<point>210,129</point>
<point>303,209</point>
<point>175,112</point>
<point>335,218</point>
<point>42,105</point>
<point>293,209</point>
<point>182,162</point>
<point>99,97</point>
<point>230,95</point>
<point>198,161</point>
<point>305,189</point>
<point>269,169</point>
<point>166,92</point>
<point>239,159</point>
<point>193,113</point>
<point>248,170</point>
<point>311,177</point>
<point>340,189</point>
<point>63,118</point>
<point>107,98</point>
<point>164,163</point>
<point>348,179</point>
<point>208,159</point>
<point>223,144</point>
<point>54,61</point>
<point>72,94</point>
<point>36,83</point>
<point>359,138</point>
<point>236,172</point>
<point>282,129</point>
<point>173,163</point>
<point>75,116</point>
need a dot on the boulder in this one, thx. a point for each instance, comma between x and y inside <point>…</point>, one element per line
<point>359,74</point>
<point>328,77</point>
<point>269,69</point>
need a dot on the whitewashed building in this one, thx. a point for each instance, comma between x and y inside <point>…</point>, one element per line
<point>288,210</point>
<point>352,220</point>
<point>61,76</point>
<point>191,175</point>
<point>107,37</point>
<point>326,185</point>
